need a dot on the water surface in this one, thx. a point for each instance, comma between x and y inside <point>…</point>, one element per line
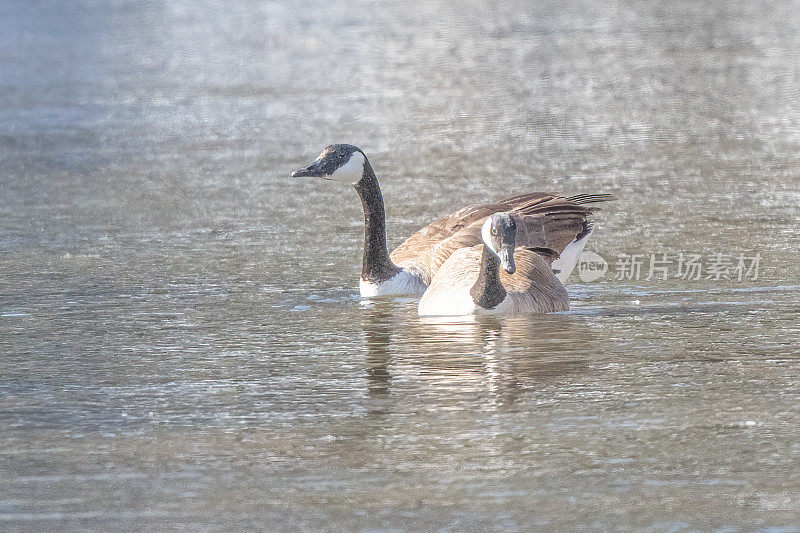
<point>182,342</point>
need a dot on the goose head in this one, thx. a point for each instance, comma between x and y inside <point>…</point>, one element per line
<point>499,234</point>
<point>338,162</point>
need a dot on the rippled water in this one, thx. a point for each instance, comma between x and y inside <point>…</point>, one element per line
<point>182,341</point>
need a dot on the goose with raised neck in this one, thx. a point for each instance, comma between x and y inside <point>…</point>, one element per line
<point>379,274</point>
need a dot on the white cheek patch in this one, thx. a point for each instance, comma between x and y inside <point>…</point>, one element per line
<point>351,171</point>
<point>486,234</point>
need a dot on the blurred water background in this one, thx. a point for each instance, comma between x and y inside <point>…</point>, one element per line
<point>182,342</point>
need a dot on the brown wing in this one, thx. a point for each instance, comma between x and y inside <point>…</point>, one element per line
<point>533,287</point>
<point>543,219</point>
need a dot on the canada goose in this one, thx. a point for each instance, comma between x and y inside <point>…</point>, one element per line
<point>470,281</point>
<point>544,220</point>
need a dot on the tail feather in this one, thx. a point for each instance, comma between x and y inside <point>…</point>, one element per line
<point>587,229</point>
<point>591,198</point>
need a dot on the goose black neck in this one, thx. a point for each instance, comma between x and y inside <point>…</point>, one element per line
<point>376,266</point>
<point>488,291</point>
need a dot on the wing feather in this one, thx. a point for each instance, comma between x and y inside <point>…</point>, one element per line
<point>533,288</point>
<point>543,220</point>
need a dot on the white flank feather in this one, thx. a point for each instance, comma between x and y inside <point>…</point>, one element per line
<point>404,282</point>
<point>569,258</point>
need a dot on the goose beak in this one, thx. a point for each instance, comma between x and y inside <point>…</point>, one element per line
<point>313,170</point>
<point>507,258</point>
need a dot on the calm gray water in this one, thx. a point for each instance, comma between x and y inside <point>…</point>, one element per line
<point>182,342</point>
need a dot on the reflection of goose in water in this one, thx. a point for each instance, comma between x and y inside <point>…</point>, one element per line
<point>545,220</point>
<point>442,358</point>
<point>378,330</point>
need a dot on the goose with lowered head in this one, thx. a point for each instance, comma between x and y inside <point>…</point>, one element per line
<point>544,220</point>
<point>471,280</point>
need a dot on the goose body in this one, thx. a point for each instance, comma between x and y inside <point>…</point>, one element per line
<point>544,220</point>
<point>495,277</point>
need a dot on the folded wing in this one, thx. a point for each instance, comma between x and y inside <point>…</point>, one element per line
<point>543,220</point>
